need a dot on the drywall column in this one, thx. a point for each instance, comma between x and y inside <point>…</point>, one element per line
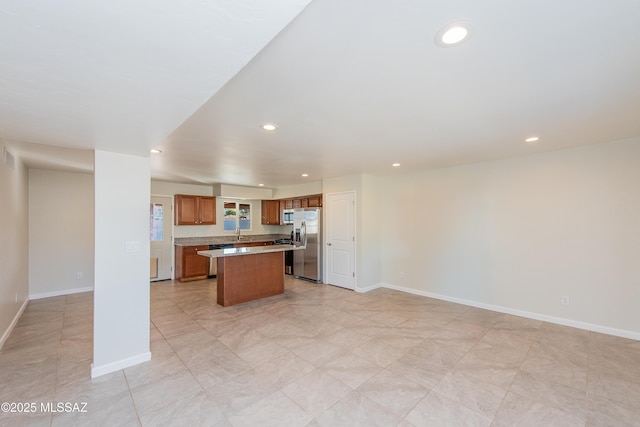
<point>14,237</point>
<point>121,285</point>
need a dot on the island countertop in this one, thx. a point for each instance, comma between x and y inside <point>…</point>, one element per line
<point>248,250</point>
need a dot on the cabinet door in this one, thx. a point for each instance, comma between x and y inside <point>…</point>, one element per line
<point>305,203</point>
<point>271,212</point>
<point>274,212</point>
<point>207,207</point>
<point>297,203</point>
<point>194,265</point>
<point>186,209</point>
<point>315,201</point>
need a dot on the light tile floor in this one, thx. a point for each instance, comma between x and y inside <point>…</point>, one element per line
<point>321,356</point>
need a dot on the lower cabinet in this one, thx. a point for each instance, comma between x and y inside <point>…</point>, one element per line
<point>190,265</point>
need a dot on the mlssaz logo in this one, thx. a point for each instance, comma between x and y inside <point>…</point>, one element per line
<point>53,407</point>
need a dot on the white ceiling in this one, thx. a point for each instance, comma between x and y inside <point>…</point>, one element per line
<point>353,86</point>
<point>120,75</point>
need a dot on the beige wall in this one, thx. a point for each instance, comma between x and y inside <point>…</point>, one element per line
<point>366,191</point>
<point>61,232</point>
<point>307,189</point>
<point>519,234</point>
<point>14,275</point>
<point>369,218</point>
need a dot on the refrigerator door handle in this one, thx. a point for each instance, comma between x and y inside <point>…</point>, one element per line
<point>303,230</point>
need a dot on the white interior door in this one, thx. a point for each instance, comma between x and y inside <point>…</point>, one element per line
<point>341,237</point>
<point>160,236</point>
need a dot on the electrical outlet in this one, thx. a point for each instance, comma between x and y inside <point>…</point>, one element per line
<point>79,275</point>
<point>564,300</point>
<point>402,274</point>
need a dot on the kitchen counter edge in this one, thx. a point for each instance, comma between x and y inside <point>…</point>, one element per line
<point>251,250</point>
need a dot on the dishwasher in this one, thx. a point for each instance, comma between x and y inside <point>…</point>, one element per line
<point>213,261</point>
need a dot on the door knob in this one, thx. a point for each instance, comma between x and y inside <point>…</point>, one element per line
<point>328,244</point>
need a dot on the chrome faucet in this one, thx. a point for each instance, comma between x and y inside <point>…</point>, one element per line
<point>238,232</point>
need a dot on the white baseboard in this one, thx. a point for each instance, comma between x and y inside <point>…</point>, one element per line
<point>97,371</point>
<point>5,335</point>
<point>369,288</point>
<point>536,316</point>
<point>59,293</point>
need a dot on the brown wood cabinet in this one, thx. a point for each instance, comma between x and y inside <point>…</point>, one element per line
<point>315,201</point>
<point>272,209</point>
<point>194,210</point>
<point>271,212</point>
<point>190,265</point>
<point>247,278</point>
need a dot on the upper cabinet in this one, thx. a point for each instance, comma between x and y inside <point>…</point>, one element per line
<point>194,210</point>
<point>207,207</point>
<point>272,209</point>
<point>315,201</point>
<point>271,212</point>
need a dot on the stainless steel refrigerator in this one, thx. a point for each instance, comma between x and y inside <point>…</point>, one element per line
<point>307,263</point>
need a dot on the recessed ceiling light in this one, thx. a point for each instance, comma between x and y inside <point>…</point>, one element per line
<point>155,151</point>
<point>453,34</point>
<point>395,165</point>
<point>269,126</point>
<point>260,185</point>
<point>532,139</point>
<point>305,175</point>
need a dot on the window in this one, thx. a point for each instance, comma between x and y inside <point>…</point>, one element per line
<point>236,213</point>
<point>156,217</point>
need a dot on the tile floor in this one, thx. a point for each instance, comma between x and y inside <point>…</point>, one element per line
<point>322,356</point>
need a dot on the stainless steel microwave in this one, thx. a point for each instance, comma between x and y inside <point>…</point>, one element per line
<point>287,216</point>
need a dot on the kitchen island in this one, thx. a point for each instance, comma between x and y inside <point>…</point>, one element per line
<point>249,273</point>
